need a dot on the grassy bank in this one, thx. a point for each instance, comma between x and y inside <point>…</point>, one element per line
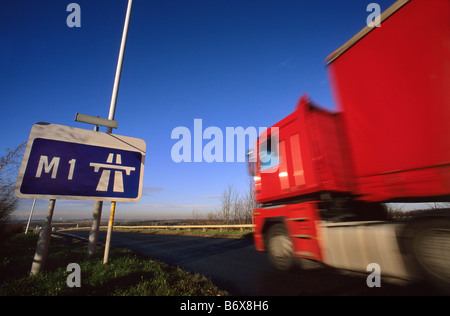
<point>127,274</point>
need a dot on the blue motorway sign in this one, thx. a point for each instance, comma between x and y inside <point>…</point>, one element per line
<point>92,165</point>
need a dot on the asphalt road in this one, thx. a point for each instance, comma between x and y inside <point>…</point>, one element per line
<point>234,265</point>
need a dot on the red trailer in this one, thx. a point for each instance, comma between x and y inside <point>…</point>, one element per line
<point>322,182</point>
<point>392,85</point>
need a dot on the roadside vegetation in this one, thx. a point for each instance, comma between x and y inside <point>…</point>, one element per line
<point>127,273</point>
<point>9,167</point>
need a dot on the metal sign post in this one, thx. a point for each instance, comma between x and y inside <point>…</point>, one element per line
<point>108,236</point>
<point>29,218</point>
<point>98,205</point>
<point>112,107</point>
<point>112,111</point>
<point>44,241</point>
<point>95,226</point>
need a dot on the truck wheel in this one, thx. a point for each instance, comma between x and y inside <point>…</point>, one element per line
<point>280,248</point>
<point>431,247</point>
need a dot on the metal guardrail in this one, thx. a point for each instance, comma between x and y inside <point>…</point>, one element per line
<point>189,227</point>
<point>179,227</point>
<point>69,238</point>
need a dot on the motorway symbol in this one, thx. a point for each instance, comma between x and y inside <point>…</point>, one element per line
<point>62,162</point>
<point>104,179</point>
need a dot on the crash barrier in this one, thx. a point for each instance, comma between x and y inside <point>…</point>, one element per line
<point>189,227</point>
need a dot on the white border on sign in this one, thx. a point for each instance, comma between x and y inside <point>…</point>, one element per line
<point>85,137</point>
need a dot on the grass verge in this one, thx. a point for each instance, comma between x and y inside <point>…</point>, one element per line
<point>127,273</point>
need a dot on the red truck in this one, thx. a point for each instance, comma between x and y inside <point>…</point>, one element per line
<point>321,177</point>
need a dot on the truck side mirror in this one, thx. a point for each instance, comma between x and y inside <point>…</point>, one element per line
<point>251,163</point>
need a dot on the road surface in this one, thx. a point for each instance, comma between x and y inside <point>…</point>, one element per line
<point>235,266</point>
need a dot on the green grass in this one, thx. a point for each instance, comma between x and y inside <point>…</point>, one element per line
<point>127,274</point>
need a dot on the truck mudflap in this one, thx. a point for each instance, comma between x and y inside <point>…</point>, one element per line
<point>356,245</point>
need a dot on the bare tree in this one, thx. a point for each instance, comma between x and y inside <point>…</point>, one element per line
<point>395,210</point>
<point>196,217</point>
<point>438,205</point>
<point>212,217</point>
<point>10,163</point>
<point>249,203</point>
<point>227,205</point>
<point>9,166</point>
<point>237,208</point>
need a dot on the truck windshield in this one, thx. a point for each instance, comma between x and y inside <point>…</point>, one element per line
<point>268,155</point>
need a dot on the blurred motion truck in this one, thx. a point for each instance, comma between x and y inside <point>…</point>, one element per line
<point>321,177</point>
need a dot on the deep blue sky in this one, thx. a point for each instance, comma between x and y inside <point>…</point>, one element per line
<point>230,63</point>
